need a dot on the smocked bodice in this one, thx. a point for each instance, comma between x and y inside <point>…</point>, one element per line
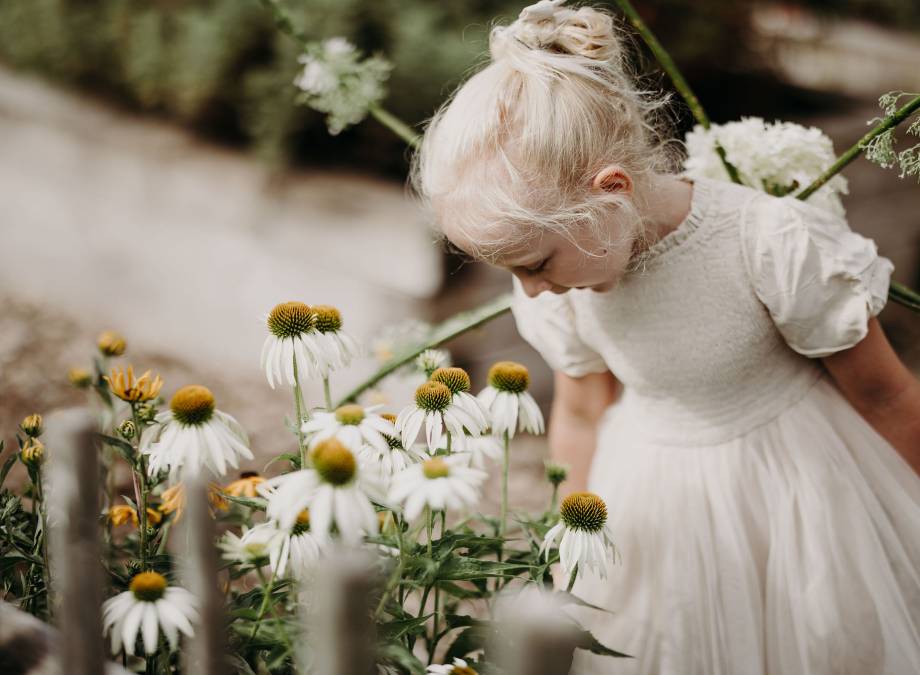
<point>706,335</point>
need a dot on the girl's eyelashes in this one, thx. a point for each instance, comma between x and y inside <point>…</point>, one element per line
<point>538,268</point>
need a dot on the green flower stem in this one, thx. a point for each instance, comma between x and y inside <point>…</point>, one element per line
<point>506,461</point>
<point>299,411</point>
<point>888,123</point>
<point>680,83</point>
<point>444,332</point>
<point>899,293</point>
<point>327,395</point>
<point>141,478</point>
<point>266,600</point>
<point>396,125</point>
<point>574,574</point>
<point>554,500</point>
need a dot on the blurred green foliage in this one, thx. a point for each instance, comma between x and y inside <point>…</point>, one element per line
<point>220,66</point>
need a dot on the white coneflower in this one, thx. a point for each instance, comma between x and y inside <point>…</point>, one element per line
<point>292,336</point>
<point>587,541</point>
<point>458,667</point>
<point>298,552</point>
<point>467,408</point>
<point>255,546</point>
<point>436,409</point>
<point>510,406</point>
<point>337,490</point>
<point>353,425</point>
<point>480,450</point>
<point>148,606</point>
<point>395,457</point>
<point>339,345</point>
<point>439,483</point>
<point>193,435</point>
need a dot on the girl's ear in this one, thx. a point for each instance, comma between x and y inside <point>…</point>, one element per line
<point>613,178</point>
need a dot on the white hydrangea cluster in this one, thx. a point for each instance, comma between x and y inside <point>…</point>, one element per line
<point>335,80</point>
<point>779,158</point>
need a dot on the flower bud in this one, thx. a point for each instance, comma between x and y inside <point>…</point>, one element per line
<point>80,377</point>
<point>556,473</point>
<point>33,453</point>
<point>32,426</point>
<point>111,343</point>
<point>127,429</point>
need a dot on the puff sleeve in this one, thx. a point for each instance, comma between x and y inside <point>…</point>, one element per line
<point>820,281</point>
<point>547,323</point>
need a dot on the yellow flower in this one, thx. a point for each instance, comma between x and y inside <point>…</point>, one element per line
<point>32,425</point>
<point>120,514</point>
<point>245,486</point>
<point>111,343</point>
<point>174,499</point>
<point>124,386</point>
<point>33,452</point>
<point>80,377</point>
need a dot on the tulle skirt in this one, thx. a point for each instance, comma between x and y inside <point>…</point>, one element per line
<point>791,550</point>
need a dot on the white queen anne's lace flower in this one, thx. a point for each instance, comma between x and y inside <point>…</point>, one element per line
<point>778,158</point>
<point>193,435</point>
<point>148,606</point>
<point>335,80</point>
<point>337,489</point>
<point>586,538</point>
<point>509,404</point>
<point>440,483</point>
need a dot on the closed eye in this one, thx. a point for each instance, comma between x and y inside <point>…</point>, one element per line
<point>538,268</point>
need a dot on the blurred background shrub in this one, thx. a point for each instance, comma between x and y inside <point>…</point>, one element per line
<point>220,67</point>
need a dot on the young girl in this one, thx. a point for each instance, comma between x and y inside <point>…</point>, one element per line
<point>759,464</point>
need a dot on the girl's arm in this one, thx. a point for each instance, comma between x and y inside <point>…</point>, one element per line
<point>578,403</point>
<point>882,389</point>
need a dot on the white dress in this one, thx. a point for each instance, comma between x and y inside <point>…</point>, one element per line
<point>764,526</point>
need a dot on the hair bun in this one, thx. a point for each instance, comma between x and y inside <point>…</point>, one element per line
<point>585,32</point>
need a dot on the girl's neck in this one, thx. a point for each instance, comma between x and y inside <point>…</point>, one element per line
<point>667,205</point>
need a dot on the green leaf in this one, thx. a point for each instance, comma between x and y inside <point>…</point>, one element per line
<point>258,504</point>
<point>124,448</point>
<point>7,465</point>
<point>394,630</point>
<point>587,641</point>
<point>461,568</point>
<point>396,654</point>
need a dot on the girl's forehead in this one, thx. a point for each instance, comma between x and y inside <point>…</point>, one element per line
<point>499,245</point>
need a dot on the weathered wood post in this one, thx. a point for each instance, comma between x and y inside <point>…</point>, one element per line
<point>535,638</point>
<point>73,514</point>
<point>337,603</point>
<point>206,653</point>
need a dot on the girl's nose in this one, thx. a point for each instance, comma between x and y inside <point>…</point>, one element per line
<point>533,285</point>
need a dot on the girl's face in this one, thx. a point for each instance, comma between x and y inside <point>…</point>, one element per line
<point>556,263</point>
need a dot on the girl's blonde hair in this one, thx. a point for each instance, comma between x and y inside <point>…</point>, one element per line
<point>513,151</point>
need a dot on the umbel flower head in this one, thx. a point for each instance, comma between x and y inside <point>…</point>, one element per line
<point>335,80</point>
<point>586,539</point>
<point>508,402</point>
<point>193,435</point>
<point>439,483</point>
<point>124,386</point>
<point>149,606</point>
<point>353,425</point>
<point>111,343</point>
<point>337,489</point>
<point>32,426</point>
